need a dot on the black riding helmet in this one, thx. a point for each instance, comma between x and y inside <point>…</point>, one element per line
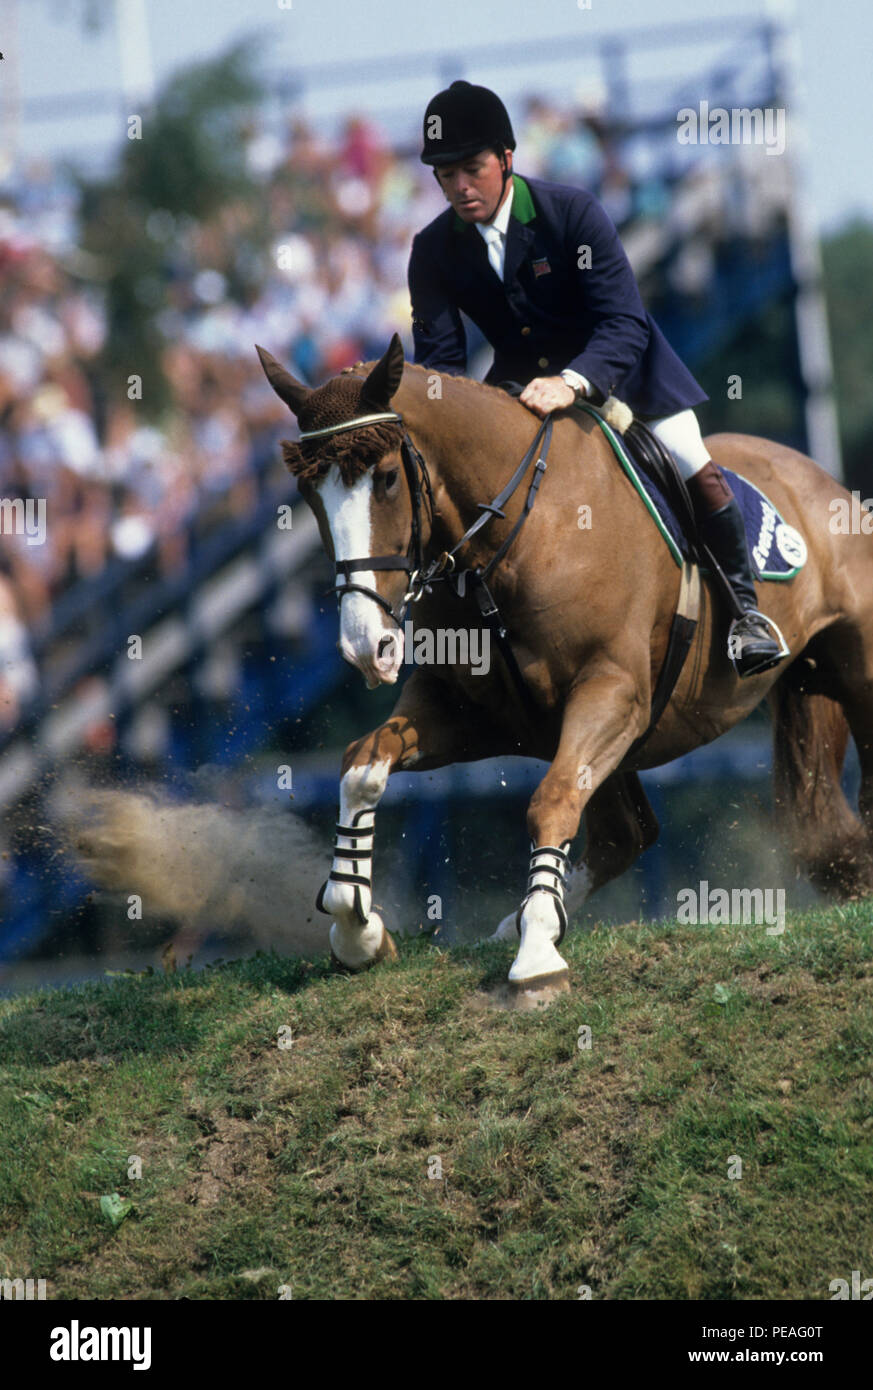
<point>461,121</point>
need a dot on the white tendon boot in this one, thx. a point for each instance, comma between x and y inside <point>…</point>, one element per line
<point>542,919</point>
<point>358,937</point>
<point>577,886</point>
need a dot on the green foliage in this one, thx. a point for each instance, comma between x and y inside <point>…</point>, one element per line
<point>848,271</point>
<point>190,160</point>
<point>187,166</point>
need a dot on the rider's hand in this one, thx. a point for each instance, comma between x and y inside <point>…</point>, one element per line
<point>547,393</point>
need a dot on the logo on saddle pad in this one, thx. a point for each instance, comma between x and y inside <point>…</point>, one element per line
<point>791,545</point>
<point>789,542</point>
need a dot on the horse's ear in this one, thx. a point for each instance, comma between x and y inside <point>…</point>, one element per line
<point>384,379</point>
<point>289,390</point>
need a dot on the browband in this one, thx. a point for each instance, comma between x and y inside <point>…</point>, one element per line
<point>352,424</point>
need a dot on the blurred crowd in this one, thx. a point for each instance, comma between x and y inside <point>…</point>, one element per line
<point>330,290</point>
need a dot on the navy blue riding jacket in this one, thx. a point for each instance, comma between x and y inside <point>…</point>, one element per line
<point>548,314</point>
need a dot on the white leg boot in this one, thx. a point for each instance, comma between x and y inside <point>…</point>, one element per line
<point>542,918</point>
<point>357,936</point>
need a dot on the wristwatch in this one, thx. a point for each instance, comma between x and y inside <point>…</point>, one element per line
<point>578,383</point>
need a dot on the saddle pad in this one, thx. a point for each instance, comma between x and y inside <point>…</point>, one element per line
<point>777,549</point>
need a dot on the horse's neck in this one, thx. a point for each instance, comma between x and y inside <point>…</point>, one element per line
<point>470,443</point>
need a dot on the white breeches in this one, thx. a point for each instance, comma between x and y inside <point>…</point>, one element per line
<point>681,434</point>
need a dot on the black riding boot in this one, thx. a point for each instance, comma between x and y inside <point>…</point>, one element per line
<point>750,642</point>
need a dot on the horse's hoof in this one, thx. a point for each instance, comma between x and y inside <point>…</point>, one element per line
<point>540,992</point>
<point>557,979</point>
<point>386,950</point>
<point>536,960</point>
<point>529,994</point>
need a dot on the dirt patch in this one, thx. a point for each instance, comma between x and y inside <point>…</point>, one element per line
<point>761,983</point>
<point>225,1156</point>
<point>532,997</point>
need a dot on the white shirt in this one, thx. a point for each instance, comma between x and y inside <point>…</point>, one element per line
<point>493,234</point>
<point>500,223</point>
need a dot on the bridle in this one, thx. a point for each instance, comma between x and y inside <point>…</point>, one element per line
<point>420,487</point>
<point>420,491</point>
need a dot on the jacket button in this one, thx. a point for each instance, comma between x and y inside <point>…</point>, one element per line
<point>525,331</point>
<point>542,361</point>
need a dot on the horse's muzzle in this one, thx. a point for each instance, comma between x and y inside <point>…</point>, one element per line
<point>380,666</point>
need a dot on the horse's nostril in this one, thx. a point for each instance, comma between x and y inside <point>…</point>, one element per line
<point>386,645</point>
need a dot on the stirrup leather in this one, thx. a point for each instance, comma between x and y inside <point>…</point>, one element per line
<point>555,889</point>
<point>353,854</point>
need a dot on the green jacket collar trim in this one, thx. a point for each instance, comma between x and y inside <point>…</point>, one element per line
<point>523,209</point>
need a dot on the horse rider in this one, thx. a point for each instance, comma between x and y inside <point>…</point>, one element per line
<point>540,269</point>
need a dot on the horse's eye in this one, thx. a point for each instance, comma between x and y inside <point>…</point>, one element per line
<point>390,479</point>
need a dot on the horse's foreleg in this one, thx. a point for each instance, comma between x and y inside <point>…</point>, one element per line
<point>602,718</point>
<point>357,936</point>
<point>431,726</point>
<point>619,824</point>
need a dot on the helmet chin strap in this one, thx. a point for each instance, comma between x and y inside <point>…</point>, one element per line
<point>505,168</point>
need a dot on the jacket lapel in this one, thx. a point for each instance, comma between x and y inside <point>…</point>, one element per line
<point>471,248</point>
<point>519,239</point>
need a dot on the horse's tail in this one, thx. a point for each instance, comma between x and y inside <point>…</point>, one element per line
<point>810,737</point>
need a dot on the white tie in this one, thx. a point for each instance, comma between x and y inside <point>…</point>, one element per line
<point>494,238</point>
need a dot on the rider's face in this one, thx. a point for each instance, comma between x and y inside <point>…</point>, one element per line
<point>473,186</point>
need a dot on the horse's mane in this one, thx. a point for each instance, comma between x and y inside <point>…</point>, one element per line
<point>355,451</point>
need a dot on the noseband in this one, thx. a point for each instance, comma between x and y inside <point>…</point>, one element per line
<point>419,483</point>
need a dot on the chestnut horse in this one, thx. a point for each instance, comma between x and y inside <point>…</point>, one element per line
<point>588,614</point>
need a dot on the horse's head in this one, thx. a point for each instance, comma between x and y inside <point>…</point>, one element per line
<point>352,477</point>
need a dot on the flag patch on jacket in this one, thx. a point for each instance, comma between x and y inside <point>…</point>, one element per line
<point>541,267</point>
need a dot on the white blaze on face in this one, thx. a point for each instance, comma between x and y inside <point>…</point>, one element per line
<point>364,624</point>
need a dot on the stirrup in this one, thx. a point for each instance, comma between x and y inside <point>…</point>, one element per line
<point>763,663</point>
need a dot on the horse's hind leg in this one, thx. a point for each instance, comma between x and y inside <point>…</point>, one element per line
<point>824,696</point>
<point>857,702</point>
<point>619,825</point>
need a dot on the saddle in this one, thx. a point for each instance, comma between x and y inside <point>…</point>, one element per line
<point>653,458</point>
